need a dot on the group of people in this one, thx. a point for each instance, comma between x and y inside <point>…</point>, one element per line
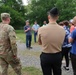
<point>28,31</point>
<point>57,40</point>
<point>61,41</point>
<point>69,27</point>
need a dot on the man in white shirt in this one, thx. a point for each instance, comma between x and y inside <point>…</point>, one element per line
<point>44,23</point>
<point>35,28</point>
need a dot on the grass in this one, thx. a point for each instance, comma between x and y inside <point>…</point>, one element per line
<point>26,71</point>
<point>22,36</point>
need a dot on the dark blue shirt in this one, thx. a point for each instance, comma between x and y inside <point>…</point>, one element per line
<point>29,31</point>
<point>73,36</point>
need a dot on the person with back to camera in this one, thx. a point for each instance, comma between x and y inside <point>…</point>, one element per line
<point>8,47</point>
<point>72,39</point>
<point>51,38</point>
<point>66,47</point>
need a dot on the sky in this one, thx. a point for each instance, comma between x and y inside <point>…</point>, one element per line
<point>25,2</point>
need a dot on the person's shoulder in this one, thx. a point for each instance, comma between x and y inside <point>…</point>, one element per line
<point>9,28</point>
<point>33,25</point>
<point>25,26</point>
<point>74,31</point>
<point>60,26</point>
<point>42,28</point>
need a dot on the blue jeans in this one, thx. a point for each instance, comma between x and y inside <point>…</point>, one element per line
<point>35,34</point>
<point>28,40</point>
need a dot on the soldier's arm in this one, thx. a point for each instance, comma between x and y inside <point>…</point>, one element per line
<point>12,38</point>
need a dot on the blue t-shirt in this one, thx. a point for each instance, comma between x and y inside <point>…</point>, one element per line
<point>73,36</point>
<point>36,27</point>
<point>29,31</point>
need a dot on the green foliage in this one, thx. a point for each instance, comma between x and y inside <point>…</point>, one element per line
<point>39,8</point>
<point>36,10</point>
<point>16,10</point>
<point>32,71</point>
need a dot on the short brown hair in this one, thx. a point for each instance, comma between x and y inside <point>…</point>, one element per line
<point>66,22</point>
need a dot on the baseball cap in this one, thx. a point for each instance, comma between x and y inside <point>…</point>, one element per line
<point>5,16</point>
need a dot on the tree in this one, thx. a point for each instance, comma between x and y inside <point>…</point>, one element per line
<point>39,9</point>
<point>16,9</point>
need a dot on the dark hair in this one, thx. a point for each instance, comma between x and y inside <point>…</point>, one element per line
<point>61,24</point>
<point>53,12</point>
<point>66,22</point>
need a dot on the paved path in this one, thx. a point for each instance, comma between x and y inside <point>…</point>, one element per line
<point>31,57</point>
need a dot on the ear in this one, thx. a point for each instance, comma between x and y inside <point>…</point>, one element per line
<point>57,17</point>
<point>48,17</point>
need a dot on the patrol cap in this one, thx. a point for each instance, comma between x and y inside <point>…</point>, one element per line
<point>5,16</point>
<point>54,12</point>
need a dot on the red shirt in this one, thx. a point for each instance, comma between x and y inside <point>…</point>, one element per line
<point>72,28</point>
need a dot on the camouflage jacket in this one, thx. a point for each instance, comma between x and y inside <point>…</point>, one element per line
<point>7,40</point>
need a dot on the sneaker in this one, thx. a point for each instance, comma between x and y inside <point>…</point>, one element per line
<point>27,48</point>
<point>66,68</point>
<point>30,47</point>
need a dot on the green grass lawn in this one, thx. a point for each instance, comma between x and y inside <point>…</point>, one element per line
<point>22,36</point>
<point>26,71</point>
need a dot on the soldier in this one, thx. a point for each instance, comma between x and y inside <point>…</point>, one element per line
<point>8,47</point>
<point>51,38</point>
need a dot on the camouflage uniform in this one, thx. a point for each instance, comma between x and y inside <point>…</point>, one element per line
<point>8,49</point>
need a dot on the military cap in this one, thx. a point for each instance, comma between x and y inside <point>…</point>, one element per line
<point>54,12</point>
<point>5,15</point>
